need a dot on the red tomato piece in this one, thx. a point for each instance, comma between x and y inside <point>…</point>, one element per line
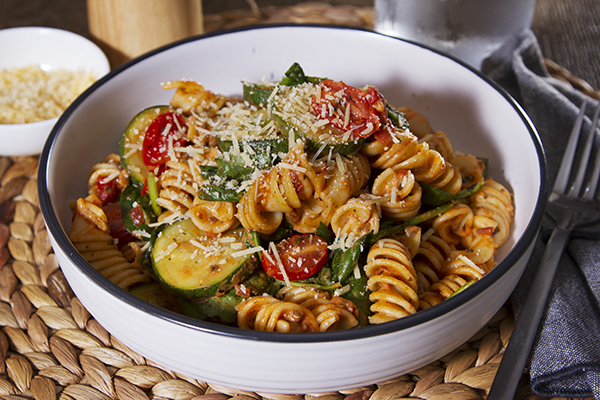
<point>115,223</point>
<point>301,256</point>
<point>348,108</point>
<point>108,190</point>
<point>156,141</point>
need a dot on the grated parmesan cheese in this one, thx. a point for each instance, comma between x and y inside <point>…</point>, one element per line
<point>279,263</point>
<point>30,94</point>
<point>470,263</point>
<point>427,234</point>
<point>246,252</point>
<point>292,167</point>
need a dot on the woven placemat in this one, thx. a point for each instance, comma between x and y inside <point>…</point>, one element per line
<point>51,347</point>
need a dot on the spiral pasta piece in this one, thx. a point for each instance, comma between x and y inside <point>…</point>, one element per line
<point>252,214</point>
<point>427,165</point>
<point>332,314</point>
<point>430,167</point>
<point>344,178</point>
<point>419,124</point>
<point>455,224</point>
<point>439,142</point>
<point>177,189</point>
<point>191,96</point>
<point>212,217</point>
<point>110,167</point>
<point>382,156</point>
<point>457,272</point>
<point>334,185</point>
<point>288,183</point>
<point>91,237</point>
<point>470,167</point>
<point>299,294</point>
<point>494,202</point>
<point>356,218</point>
<point>430,260</point>
<point>266,313</point>
<point>402,193</point>
<point>392,281</point>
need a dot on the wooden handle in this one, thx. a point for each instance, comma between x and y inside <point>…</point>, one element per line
<point>125,29</point>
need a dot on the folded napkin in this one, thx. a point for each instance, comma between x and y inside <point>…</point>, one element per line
<point>565,360</point>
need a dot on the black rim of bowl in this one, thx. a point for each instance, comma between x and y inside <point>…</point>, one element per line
<point>421,317</point>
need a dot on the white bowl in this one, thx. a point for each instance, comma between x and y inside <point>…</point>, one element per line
<point>50,49</point>
<point>477,115</point>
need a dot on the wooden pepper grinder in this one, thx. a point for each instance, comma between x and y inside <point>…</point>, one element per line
<point>124,29</point>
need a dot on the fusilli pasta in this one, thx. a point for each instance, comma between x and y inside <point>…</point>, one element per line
<point>308,205</point>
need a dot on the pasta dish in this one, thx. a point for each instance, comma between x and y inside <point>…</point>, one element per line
<point>307,205</point>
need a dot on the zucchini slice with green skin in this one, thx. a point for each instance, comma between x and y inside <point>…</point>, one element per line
<point>257,94</point>
<point>193,265</point>
<point>130,147</point>
<point>222,308</point>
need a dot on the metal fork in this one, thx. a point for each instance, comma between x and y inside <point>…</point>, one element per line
<point>570,207</point>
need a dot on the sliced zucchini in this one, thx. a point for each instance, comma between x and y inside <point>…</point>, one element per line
<point>258,94</point>
<point>153,293</point>
<point>193,265</point>
<point>222,308</point>
<point>130,148</point>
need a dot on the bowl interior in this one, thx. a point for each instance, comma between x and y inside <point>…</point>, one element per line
<point>477,117</point>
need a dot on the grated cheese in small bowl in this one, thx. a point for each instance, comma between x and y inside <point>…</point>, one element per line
<point>30,94</point>
<point>42,71</point>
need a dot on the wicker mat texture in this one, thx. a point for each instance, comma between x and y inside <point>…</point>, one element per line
<point>51,348</point>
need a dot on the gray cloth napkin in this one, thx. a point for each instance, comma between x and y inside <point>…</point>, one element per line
<point>565,360</point>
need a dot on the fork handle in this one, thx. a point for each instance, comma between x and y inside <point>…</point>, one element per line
<point>517,352</point>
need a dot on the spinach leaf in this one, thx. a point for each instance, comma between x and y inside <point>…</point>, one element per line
<point>435,197</point>
<point>324,233</point>
<point>295,76</point>
<point>359,295</point>
<point>398,118</point>
<point>344,261</point>
<point>133,203</point>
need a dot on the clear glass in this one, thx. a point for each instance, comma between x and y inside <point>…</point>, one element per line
<point>467,29</point>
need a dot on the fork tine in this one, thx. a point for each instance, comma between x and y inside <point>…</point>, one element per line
<point>562,179</point>
<point>590,189</point>
<point>585,158</point>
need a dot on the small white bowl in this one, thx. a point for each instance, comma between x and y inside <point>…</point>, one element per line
<point>50,49</point>
<point>477,115</point>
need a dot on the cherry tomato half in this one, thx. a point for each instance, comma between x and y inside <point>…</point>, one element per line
<point>108,190</point>
<point>348,108</point>
<point>156,141</point>
<point>301,255</point>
